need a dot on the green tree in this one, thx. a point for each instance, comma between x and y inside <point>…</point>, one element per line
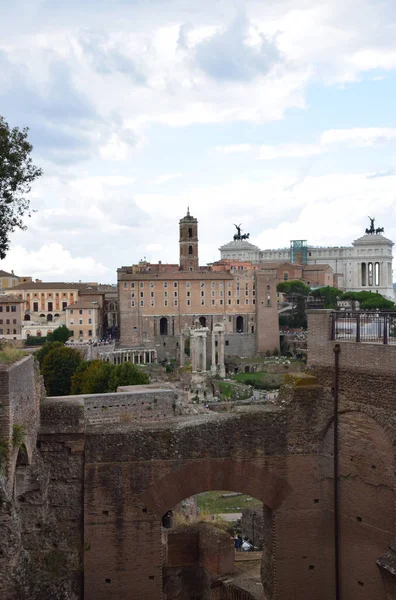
<point>58,368</point>
<point>60,334</point>
<point>329,294</point>
<point>17,172</point>
<point>48,346</point>
<point>293,287</point>
<point>127,374</point>
<point>369,300</point>
<point>77,381</point>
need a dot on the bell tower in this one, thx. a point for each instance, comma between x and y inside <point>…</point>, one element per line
<point>188,243</point>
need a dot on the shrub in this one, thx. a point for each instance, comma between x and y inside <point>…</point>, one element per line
<point>18,435</point>
<point>60,334</point>
<point>58,367</point>
<point>98,377</point>
<point>35,340</point>
<point>48,346</point>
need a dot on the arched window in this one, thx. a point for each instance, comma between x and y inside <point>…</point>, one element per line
<point>285,276</point>
<point>190,232</point>
<point>49,317</point>
<point>239,324</point>
<point>163,326</point>
<point>190,250</point>
<point>27,318</point>
<point>202,321</point>
<point>364,274</point>
<point>370,273</point>
<point>38,333</point>
<point>377,274</point>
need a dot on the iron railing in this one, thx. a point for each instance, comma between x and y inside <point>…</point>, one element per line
<point>364,326</point>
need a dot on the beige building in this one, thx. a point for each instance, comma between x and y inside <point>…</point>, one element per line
<point>156,302</point>
<point>11,315</point>
<point>83,320</point>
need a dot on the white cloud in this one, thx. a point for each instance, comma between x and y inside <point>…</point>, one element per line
<point>165,178</point>
<point>53,262</point>
<point>358,137</point>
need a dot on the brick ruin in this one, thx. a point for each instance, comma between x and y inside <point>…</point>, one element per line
<point>83,497</point>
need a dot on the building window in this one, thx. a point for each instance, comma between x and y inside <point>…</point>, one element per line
<point>175,302</point>
<point>377,274</point>
<point>203,302</point>
<point>268,300</point>
<point>213,284</point>
<point>175,284</point>
<point>64,305</point>
<point>165,284</point>
<point>151,284</point>
<point>125,285</point>
<point>188,302</point>
<point>80,321</point>
<point>229,301</point>
<point>8,321</point>
<point>254,301</point>
<point>221,293</point>
<point>152,303</point>
<point>1,332</point>
<point>188,294</point>
<point>81,333</point>
<point>13,308</point>
<point>141,284</point>
<point>190,250</point>
<point>190,232</point>
<point>221,302</point>
<point>213,302</point>
<point>213,293</point>
<point>7,309</point>
<point>165,302</point>
<point>165,294</point>
<point>80,312</point>
<point>202,284</point>
<point>90,332</point>
<point>142,294</point>
<point>151,294</point>
<point>132,303</point>
<point>8,332</point>
<point>89,321</point>
<point>132,284</point>
<point>90,311</point>
<point>246,300</point>
<point>175,294</point>
<point>370,273</point>
<point>229,292</point>
<point>14,321</point>
<point>220,284</point>
<point>229,283</point>
<point>202,294</point>
<point>14,331</point>
<point>188,284</point>
<point>238,301</point>
<point>141,302</point>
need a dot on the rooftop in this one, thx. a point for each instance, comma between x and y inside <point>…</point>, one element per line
<point>83,304</point>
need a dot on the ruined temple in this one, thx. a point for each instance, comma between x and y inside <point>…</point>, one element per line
<point>84,492</point>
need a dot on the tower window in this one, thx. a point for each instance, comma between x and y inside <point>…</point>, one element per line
<point>190,250</point>
<point>190,232</point>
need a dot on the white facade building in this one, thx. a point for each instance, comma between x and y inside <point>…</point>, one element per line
<point>365,265</point>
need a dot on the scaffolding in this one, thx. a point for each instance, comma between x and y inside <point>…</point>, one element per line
<point>299,252</point>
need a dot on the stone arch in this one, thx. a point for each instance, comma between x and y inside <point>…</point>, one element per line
<point>202,321</point>
<point>163,326</point>
<point>211,474</point>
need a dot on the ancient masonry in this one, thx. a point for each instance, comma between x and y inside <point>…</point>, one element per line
<point>83,493</point>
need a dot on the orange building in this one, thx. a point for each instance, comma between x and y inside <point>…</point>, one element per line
<point>157,302</point>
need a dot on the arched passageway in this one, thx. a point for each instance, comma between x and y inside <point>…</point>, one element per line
<point>202,321</point>
<point>163,326</point>
<point>239,324</point>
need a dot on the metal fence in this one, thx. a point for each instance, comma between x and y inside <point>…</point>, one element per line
<point>364,326</point>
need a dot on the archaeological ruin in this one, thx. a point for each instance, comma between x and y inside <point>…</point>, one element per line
<point>84,490</point>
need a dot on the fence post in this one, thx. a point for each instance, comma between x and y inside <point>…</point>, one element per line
<point>358,327</point>
<point>385,323</point>
<point>333,325</point>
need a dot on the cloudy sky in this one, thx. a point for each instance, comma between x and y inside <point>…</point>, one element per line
<point>277,114</point>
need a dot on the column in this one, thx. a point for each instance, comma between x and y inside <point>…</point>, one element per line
<point>193,352</point>
<point>181,348</point>
<point>203,350</point>
<point>149,356</point>
<point>221,354</point>
<point>213,367</point>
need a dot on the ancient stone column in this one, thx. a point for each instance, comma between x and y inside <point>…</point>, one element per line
<point>214,366</point>
<point>181,348</point>
<point>193,352</point>
<point>221,354</point>
<point>203,351</point>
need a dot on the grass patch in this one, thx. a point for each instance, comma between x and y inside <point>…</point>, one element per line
<point>261,380</point>
<point>233,391</point>
<point>9,355</point>
<point>212,503</point>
